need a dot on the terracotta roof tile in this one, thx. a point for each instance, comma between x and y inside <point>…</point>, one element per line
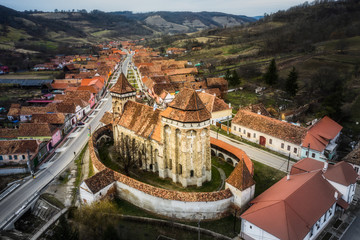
<point>107,118</point>
<point>270,126</point>
<point>52,118</point>
<point>290,208</point>
<point>213,103</point>
<point>18,146</point>
<point>122,86</point>
<point>342,173</point>
<point>35,129</point>
<point>100,180</point>
<point>257,108</point>
<point>142,119</point>
<point>320,134</point>
<point>187,107</point>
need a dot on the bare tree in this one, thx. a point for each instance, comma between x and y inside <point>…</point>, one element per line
<point>127,153</point>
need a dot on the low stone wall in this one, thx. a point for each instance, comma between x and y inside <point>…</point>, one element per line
<point>184,205</point>
<point>13,170</point>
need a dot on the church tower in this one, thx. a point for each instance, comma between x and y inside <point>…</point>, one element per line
<point>186,140</point>
<point>121,92</point>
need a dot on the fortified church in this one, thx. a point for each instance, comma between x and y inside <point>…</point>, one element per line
<point>174,142</point>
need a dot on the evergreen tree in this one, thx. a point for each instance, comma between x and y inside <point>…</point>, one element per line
<point>228,76</point>
<point>271,76</point>
<point>235,80</point>
<point>291,85</point>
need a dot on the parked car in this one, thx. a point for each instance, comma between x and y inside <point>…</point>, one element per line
<point>80,123</point>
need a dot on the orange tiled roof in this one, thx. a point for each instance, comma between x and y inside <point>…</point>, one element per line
<point>18,146</point>
<point>107,118</point>
<point>270,126</point>
<point>100,180</point>
<point>257,108</point>
<point>143,120</point>
<point>320,134</point>
<point>213,103</point>
<point>52,118</point>
<point>122,86</point>
<point>187,107</point>
<point>290,208</point>
<point>35,129</point>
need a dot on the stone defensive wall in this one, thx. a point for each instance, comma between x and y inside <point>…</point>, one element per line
<point>174,204</point>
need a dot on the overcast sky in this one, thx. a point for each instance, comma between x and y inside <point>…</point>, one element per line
<point>239,7</point>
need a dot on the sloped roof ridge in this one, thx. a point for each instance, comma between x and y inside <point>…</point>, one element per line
<point>261,208</point>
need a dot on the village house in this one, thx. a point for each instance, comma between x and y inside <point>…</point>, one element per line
<point>17,151</point>
<point>220,111</point>
<point>286,138</point>
<point>353,158</point>
<point>300,205</point>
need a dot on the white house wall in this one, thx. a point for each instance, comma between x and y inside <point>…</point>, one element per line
<point>241,198</point>
<point>174,208</point>
<point>346,191</point>
<point>88,197</point>
<point>251,231</point>
<point>276,142</point>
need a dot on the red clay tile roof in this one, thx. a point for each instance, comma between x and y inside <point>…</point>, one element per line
<point>35,129</point>
<point>141,119</point>
<point>354,156</point>
<point>159,87</point>
<point>18,146</point>
<point>14,110</point>
<point>52,118</point>
<point>213,91</point>
<point>100,180</point>
<point>187,107</point>
<point>240,177</point>
<point>240,154</point>
<point>321,133</point>
<point>107,118</point>
<point>213,103</point>
<point>342,173</point>
<point>290,208</point>
<point>307,165</point>
<point>9,133</point>
<point>270,126</point>
<point>213,82</point>
<point>93,89</point>
<point>257,108</point>
<point>122,86</point>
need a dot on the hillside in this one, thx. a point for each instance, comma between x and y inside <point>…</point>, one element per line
<point>185,22</point>
<point>321,40</point>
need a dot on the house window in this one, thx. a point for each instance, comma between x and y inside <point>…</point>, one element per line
<point>254,135</point>
<point>15,157</point>
<point>244,131</point>
<point>240,130</point>
<point>295,150</point>
<point>234,128</point>
<point>330,212</point>
<point>270,141</point>
<point>23,156</point>
<point>288,148</point>
<point>313,155</point>
<point>250,227</point>
<point>1,158</point>
<point>249,135</point>
<point>356,169</point>
<point>10,157</point>
<point>325,217</point>
<point>282,145</point>
<point>191,173</point>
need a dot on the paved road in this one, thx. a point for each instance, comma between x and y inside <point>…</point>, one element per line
<point>256,154</point>
<point>15,200</point>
